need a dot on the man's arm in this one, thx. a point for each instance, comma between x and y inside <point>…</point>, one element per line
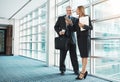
<point>57,26</point>
<point>73,27</point>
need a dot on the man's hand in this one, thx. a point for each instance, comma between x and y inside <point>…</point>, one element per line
<point>61,33</point>
<point>68,21</point>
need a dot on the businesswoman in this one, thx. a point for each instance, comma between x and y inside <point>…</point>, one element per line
<point>83,39</point>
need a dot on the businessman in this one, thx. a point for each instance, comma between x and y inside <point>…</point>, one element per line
<point>62,28</point>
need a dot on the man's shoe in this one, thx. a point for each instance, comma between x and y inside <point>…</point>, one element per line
<point>76,73</point>
<point>62,73</point>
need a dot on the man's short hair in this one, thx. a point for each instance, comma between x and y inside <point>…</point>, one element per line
<point>68,7</point>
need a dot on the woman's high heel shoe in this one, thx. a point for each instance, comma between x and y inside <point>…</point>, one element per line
<point>84,76</point>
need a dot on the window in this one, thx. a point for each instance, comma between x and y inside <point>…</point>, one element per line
<point>106,48</point>
<point>33,33</point>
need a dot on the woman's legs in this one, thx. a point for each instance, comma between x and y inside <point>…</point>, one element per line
<point>83,48</point>
<point>84,65</point>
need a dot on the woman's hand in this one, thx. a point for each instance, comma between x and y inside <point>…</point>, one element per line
<point>81,25</point>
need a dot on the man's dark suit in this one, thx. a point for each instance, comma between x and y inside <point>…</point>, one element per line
<point>61,24</point>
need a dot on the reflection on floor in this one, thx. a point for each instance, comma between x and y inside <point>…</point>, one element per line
<point>21,69</point>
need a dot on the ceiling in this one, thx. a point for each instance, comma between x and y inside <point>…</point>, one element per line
<point>9,7</point>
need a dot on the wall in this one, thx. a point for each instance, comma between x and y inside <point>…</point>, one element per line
<point>5,21</point>
<point>16,37</point>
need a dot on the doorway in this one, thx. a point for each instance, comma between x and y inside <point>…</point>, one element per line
<point>6,40</point>
<point>2,41</point>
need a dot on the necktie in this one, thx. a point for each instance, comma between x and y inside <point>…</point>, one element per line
<point>69,16</point>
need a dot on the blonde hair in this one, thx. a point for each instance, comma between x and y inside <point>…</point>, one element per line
<point>82,10</point>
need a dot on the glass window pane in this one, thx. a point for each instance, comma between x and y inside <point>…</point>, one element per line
<point>36,13</point>
<point>108,68</point>
<point>87,11</point>
<point>107,48</point>
<point>21,21</point>
<point>58,1</point>
<point>34,38</point>
<point>107,9</point>
<point>29,16</point>
<point>39,38</point>
<point>62,9</point>
<point>25,19</point>
<point>108,28</point>
<point>34,30</point>
<point>43,14</point>
<point>76,3</point>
